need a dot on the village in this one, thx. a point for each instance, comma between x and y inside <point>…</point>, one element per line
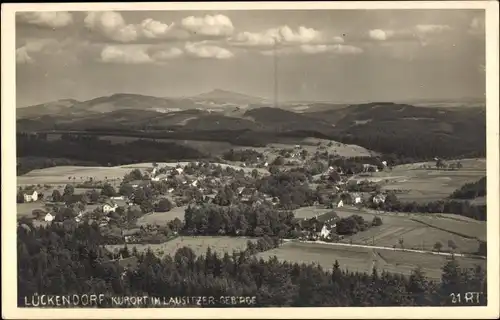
<point>160,193</point>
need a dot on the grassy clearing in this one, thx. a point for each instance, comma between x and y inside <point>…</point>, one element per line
<point>26,209</point>
<point>61,175</point>
<point>356,259</point>
<point>364,259</point>
<point>406,262</point>
<point>425,185</point>
<point>462,228</point>
<point>184,163</point>
<point>418,231</point>
<point>198,244</point>
<point>162,218</point>
<point>309,212</point>
<point>343,150</point>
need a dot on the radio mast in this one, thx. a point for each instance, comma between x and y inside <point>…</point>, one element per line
<point>275,56</point>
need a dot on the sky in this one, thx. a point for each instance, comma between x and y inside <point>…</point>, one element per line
<point>321,55</point>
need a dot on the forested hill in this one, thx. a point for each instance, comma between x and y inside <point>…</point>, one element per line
<point>419,133</point>
<point>471,190</point>
<point>77,263</point>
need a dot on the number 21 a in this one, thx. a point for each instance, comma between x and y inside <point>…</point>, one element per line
<point>455,298</point>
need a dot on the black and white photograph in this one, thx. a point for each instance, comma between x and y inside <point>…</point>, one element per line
<point>252,163</point>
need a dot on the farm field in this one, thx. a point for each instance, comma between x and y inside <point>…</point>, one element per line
<point>418,231</point>
<point>162,218</point>
<point>342,149</point>
<point>146,165</point>
<point>198,244</point>
<point>309,212</point>
<point>311,145</point>
<point>364,259</point>
<point>61,174</point>
<point>446,223</point>
<point>425,185</point>
<point>26,209</point>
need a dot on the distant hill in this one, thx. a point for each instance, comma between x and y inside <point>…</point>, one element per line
<point>387,127</point>
<point>219,96</point>
<point>54,107</point>
<point>284,120</point>
<point>214,101</point>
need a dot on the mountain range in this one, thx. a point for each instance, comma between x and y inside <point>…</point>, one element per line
<point>240,119</point>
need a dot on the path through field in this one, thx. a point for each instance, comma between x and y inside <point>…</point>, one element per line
<point>388,248</point>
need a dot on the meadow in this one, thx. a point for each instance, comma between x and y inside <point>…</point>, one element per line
<point>26,209</point>
<point>65,174</point>
<point>424,185</point>
<point>364,259</point>
<point>309,212</point>
<point>417,231</point>
<point>198,244</point>
<point>162,218</point>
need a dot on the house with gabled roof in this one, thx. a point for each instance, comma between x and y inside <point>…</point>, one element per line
<point>109,207</point>
<point>30,196</point>
<point>379,198</point>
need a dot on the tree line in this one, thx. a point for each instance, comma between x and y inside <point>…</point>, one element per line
<point>77,263</point>
<point>462,208</point>
<point>471,190</point>
<point>91,149</point>
<point>238,220</point>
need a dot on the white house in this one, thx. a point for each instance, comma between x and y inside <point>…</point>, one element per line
<point>109,207</point>
<point>49,217</point>
<point>240,190</point>
<point>155,178</point>
<point>31,197</point>
<point>384,163</point>
<point>194,183</point>
<point>118,198</point>
<point>379,198</point>
<point>325,232</point>
<point>266,164</point>
<point>340,204</point>
<point>179,170</point>
<point>356,198</point>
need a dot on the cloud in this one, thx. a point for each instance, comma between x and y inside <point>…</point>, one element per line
<point>431,28</point>
<point>338,39</point>
<point>138,54</point>
<point>125,54</point>
<point>201,50</point>
<point>47,46</point>
<point>336,48</point>
<point>167,54</point>
<point>111,25</point>
<point>380,35</point>
<point>213,26</point>
<point>477,26</point>
<point>46,19</point>
<point>22,56</point>
<point>284,36</point>
<point>311,49</point>
<point>418,32</point>
<point>154,29</point>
